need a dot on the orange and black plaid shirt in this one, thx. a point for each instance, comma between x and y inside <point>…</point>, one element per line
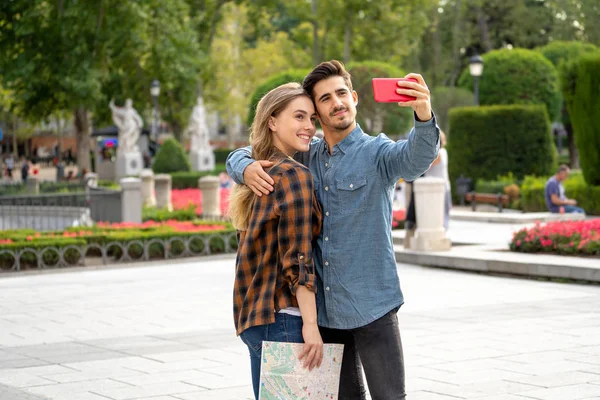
<point>275,254</point>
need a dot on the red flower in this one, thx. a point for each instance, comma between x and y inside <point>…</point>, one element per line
<point>183,198</point>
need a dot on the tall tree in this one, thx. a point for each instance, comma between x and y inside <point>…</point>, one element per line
<point>73,55</point>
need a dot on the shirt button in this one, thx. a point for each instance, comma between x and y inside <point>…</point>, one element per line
<point>326,239</point>
<point>326,187</point>
<point>327,288</point>
<point>351,186</point>
<point>301,257</point>
<point>327,213</point>
<point>326,164</point>
<point>326,263</point>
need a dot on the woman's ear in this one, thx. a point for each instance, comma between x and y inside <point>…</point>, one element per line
<point>272,124</point>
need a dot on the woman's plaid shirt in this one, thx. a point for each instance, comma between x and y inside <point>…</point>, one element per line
<point>275,253</point>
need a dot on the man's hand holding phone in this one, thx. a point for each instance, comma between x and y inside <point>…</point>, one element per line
<point>411,91</point>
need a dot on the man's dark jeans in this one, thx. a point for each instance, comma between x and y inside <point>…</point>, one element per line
<point>379,348</point>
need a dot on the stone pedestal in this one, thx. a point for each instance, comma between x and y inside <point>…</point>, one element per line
<point>129,164</point>
<point>131,200</point>
<point>202,160</point>
<point>211,201</point>
<point>429,202</point>
<point>33,185</point>
<point>162,183</point>
<point>148,197</point>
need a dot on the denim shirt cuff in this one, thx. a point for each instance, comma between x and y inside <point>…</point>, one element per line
<point>432,122</point>
<point>240,169</point>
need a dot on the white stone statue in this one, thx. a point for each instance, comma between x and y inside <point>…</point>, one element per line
<point>198,128</point>
<point>201,152</point>
<point>129,123</point>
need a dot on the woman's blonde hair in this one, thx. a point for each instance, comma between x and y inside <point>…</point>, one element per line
<point>261,140</point>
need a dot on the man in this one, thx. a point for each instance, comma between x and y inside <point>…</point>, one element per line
<point>554,193</point>
<point>358,293</point>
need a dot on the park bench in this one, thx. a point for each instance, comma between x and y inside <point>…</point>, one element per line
<point>500,200</point>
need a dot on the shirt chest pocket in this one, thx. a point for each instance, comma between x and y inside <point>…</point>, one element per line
<point>352,193</point>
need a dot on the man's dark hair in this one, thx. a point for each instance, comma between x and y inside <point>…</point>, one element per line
<point>323,71</point>
<point>563,168</point>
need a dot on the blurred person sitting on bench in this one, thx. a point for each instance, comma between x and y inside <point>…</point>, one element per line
<point>554,193</point>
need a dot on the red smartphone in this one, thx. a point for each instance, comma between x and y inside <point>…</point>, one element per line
<point>384,90</point>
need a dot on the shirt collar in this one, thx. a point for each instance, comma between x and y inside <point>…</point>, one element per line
<point>347,142</point>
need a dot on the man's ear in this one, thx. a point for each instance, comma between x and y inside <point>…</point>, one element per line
<point>355,97</point>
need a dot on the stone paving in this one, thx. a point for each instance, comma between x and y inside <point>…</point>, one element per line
<point>165,332</point>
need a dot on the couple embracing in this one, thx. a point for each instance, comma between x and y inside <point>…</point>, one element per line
<point>315,261</point>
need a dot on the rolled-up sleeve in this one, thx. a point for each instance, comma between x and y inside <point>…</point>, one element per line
<point>236,163</point>
<point>294,193</point>
<point>410,158</point>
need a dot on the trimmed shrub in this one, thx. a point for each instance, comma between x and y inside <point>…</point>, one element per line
<point>443,99</point>
<point>559,51</point>
<point>580,82</point>
<point>375,117</point>
<point>159,215</point>
<point>28,259</point>
<point>497,140</point>
<point>171,157</point>
<point>221,155</point>
<point>517,76</point>
<point>187,180</point>
<point>292,75</point>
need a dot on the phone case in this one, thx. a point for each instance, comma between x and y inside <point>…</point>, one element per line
<point>384,90</point>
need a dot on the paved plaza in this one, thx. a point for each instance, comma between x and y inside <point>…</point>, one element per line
<point>165,332</point>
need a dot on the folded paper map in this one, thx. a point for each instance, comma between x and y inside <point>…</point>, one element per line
<point>282,376</point>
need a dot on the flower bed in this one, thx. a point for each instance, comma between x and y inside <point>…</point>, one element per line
<point>114,242</point>
<point>562,237</point>
<point>183,198</point>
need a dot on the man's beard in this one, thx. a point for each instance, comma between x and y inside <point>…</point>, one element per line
<point>341,125</point>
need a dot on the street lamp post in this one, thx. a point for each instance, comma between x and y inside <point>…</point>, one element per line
<point>154,92</point>
<point>476,69</point>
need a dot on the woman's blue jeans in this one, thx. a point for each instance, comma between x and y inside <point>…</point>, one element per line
<point>286,328</point>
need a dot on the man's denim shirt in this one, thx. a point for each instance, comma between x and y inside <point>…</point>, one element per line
<point>354,256</point>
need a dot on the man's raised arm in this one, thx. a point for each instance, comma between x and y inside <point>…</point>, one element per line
<point>409,159</point>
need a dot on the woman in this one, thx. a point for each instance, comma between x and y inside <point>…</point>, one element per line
<point>274,297</point>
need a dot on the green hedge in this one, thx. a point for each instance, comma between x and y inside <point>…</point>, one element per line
<point>517,76</point>
<point>171,157</point>
<point>29,259</point>
<point>45,187</point>
<point>292,75</point>
<point>159,215</point>
<point>485,142</point>
<point>559,51</point>
<point>581,85</point>
<point>587,196</point>
<point>221,155</point>
<point>187,180</point>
